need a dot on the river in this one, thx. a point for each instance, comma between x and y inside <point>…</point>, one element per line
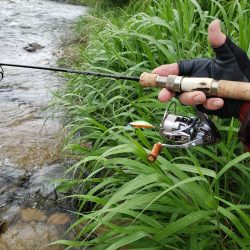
<point>31,32</point>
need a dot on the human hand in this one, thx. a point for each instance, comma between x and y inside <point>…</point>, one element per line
<point>231,63</point>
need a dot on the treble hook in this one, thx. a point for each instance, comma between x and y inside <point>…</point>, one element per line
<point>1,73</point>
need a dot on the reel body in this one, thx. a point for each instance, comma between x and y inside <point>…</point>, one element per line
<point>184,132</point>
<point>179,129</point>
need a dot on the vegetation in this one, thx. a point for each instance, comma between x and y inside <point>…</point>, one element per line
<point>188,199</point>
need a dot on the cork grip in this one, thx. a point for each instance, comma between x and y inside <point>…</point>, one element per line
<point>234,90</point>
<point>222,88</point>
<point>148,79</point>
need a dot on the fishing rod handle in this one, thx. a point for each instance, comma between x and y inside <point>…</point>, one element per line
<point>221,88</point>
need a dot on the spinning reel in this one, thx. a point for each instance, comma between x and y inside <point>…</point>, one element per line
<point>187,132</point>
<point>184,132</point>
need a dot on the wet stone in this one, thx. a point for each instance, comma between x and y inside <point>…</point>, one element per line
<point>42,185</point>
<point>11,173</point>
<point>11,179</point>
<point>33,47</point>
<point>31,236</point>
<point>9,217</point>
<point>3,227</point>
<point>31,188</point>
<point>32,214</point>
<point>59,219</point>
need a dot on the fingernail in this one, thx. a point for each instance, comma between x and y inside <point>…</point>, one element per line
<point>198,99</point>
<point>217,103</point>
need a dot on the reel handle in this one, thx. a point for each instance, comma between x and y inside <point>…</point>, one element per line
<point>157,148</point>
<point>221,88</point>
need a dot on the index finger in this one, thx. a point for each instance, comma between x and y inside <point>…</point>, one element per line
<point>167,69</point>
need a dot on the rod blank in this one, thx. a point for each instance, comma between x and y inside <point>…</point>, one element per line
<point>73,71</point>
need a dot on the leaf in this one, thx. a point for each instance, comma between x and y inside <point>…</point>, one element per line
<point>127,240</point>
<point>231,164</point>
<point>183,223</point>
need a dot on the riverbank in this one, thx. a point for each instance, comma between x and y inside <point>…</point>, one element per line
<point>30,134</point>
<point>187,199</point>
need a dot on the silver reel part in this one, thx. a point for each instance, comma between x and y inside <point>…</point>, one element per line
<point>186,132</point>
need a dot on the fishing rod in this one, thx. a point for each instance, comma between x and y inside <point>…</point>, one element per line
<point>181,131</point>
<point>220,88</point>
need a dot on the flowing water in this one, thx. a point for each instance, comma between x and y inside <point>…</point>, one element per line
<point>30,139</point>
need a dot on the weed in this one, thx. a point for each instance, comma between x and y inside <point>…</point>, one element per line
<point>188,199</point>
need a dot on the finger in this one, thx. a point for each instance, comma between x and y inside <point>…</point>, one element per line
<point>213,103</point>
<point>167,69</point>
<point>215,36</point>
<point>192,98</point>
<point>165,95</point>
<point>220,43</point>
<point>228,53</point>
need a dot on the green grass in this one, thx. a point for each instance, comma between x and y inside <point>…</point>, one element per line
<point>188,199</point>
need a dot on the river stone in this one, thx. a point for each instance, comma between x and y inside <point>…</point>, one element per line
<point>3,246</point>
<point>8,218</point>
<point>11,173</point>
<point>59,219</point>
<point>32,214</point>
<point>3,226</point>
<point>33,47</point>
<point>31,236</point>
<point>42,185</point>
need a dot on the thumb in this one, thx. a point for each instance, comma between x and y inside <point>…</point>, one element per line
<point>219,43</point>
<point>216,37</point>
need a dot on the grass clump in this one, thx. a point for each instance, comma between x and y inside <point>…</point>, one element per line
<point>188,199</point>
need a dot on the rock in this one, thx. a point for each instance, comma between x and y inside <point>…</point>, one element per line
<point>8,217</point>
<point>32,214</point>
<point>11,179</point>
<point>29,49</point>
<point>33,47</point>
<point>3,227</point>
<point>2,245</point>
<point>42,185</point>
<point>59,219</point>
<point>10,173</point>
<point>27,236</point>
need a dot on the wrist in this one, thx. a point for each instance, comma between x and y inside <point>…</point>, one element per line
<point>244,117</point>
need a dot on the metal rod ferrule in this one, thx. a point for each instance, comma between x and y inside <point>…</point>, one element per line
<point>214,88</point>
<point>171,82</point>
